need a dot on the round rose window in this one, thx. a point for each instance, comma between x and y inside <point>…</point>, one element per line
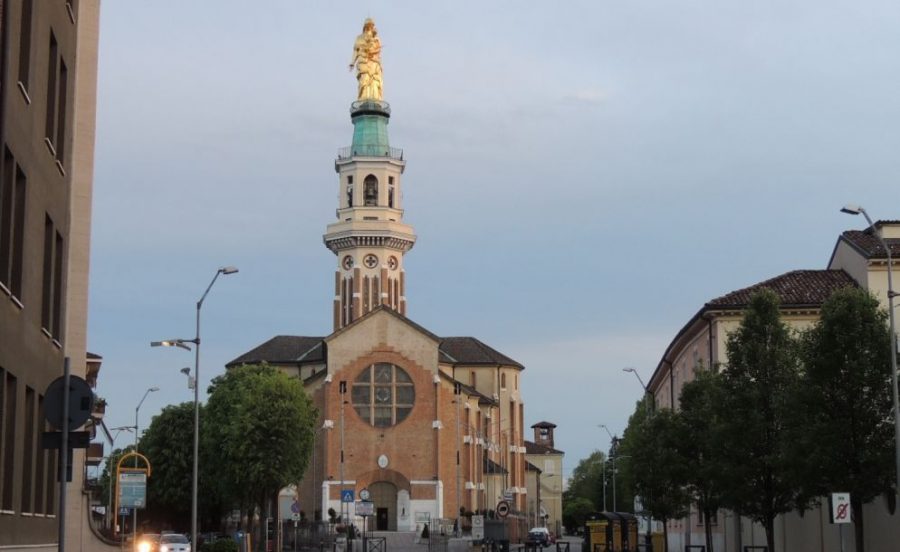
<point>383,395</point>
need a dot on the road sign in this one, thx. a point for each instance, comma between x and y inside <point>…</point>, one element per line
<point>347,496</point>
<point>81,402</point>
<point>503,508</point>
<point>132,489</point>
<point>295,517</point>
<point>124,511</point>
<point>477,521</point>
<point>295,506</point>
<point>840,508</point>
<point>365,508</point>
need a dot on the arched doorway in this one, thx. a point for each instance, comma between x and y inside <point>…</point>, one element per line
<point>384,496</point>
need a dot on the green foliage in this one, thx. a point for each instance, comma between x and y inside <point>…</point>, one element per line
<point>657,473</point>
<point>220,545</point>
<point>107,478</point>
<point>756,413</point>
<point>846,440</point>
<point>700,424</point>
<point>587,481</point>
<point>169,446</point>
<point>260,424</point>
<point>575,512</point>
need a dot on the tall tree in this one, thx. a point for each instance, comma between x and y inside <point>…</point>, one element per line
<point>261,422</point>
<point>587,481</point>
<point>656,469</point>
<point>700,422</point>
<point>758,384</point>
<point>847,440</point>
<point>168,445</point>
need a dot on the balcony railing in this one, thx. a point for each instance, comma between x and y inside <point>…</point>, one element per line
<point>370,151</point>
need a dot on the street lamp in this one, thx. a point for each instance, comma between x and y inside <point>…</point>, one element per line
<point>652,408</point>
<point>187,372</point>
<point>136,434</point>
<point>183,344</point>
<point>613,456</point>
<point>857,210</point>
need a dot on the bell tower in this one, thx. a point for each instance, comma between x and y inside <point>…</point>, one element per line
<point>369,237</point>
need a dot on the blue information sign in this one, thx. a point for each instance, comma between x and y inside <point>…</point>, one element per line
<point>347,495</point>
<point>132,490</point>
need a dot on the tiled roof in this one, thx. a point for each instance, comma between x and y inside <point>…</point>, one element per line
<point>468,350</point>
<point>491,467</point>
<point>534,448</point>
<point>532,468</point>
<point>795,289</point>
<point>292,349</point>
<point>868,243</point>
<point>544,424</point>
<point>282,349</point>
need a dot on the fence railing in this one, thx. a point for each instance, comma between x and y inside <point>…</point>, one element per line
<point>370,151</point>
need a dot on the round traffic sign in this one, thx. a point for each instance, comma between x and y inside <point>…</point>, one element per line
<point>503,508</point>
<point>81,402</point>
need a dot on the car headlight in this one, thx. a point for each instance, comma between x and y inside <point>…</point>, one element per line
<point>164,548</point>
<point>143,546</point>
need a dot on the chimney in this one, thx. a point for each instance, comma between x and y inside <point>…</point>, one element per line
<point>543,433</point>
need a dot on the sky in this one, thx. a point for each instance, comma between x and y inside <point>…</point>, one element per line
<point>582,176</point>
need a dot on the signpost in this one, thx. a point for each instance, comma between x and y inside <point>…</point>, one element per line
<point>477,528</point>
<point>840,512</point>
<point>347,496</point>
<point>503,508</point>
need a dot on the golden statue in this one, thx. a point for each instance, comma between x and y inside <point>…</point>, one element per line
<point>367,61</point>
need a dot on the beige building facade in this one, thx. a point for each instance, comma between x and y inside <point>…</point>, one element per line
<point>47,105</point>
<point>857,260</point>
<point>545,478</point>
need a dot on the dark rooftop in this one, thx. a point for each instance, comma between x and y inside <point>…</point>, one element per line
<point>867,243</point>
<point>468,350</point>
<point>534,448</point>
<point>544,424</point>
<point>283,349</point>
<point>799,288</point>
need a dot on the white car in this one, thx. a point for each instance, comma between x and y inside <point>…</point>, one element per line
<point>174,543</point>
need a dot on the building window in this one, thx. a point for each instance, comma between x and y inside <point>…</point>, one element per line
<point>25,44</point>
<point>51,300</point>
<point>12,224</point>
<point>40,455</point>
<point>391,192</point>
<point>28,452</point>
<point>349,191</point>
<point>502,381</point>
<point>370,191</point>
<point>8,387</point>
<point>52,70</point>
<point>383,395</point>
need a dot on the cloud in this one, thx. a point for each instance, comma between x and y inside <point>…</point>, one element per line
<point>587,97</point>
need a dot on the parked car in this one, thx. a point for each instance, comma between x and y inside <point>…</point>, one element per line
<point>539,536</point>
<point>174,543</point>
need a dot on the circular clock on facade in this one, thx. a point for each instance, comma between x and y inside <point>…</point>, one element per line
<point>347,262</point>
<point>393,263</point>
<point>382,461</point>
<point>371,261</point>
<point>364,494</point>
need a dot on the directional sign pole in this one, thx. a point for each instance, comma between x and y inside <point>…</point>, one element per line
<point>63,459</point>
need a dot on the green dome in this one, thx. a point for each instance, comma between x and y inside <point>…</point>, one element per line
<point>370,136</point>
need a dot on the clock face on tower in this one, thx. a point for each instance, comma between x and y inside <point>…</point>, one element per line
<point>371,261</point>
<point>347,263</point>
<point>392,263</point>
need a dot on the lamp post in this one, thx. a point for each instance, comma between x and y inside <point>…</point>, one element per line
<point>342,389</point>
<point>136,434</point>
<point>327,424</point>
<point>613,439</point>
<point>857,210</point>
<point>183,344</point>
<point>652,409</point>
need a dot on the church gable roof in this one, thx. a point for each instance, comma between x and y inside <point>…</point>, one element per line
<point>283,349</point>
<point>798,288</point>
<point>383,309</point>
<point>468,350</point>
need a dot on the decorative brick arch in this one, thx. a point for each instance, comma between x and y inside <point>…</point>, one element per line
<point>391,476</point>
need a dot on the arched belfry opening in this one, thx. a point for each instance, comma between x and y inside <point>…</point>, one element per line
<point>370,190</point>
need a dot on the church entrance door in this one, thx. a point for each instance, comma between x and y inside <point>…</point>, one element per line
<point>384,495</point>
